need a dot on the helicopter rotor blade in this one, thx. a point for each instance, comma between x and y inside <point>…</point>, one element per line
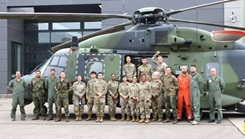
<point>171,12</point>
<point>205,23</point>
<point>100,32</point>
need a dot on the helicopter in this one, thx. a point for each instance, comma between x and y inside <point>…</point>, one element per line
<point>152,30</point>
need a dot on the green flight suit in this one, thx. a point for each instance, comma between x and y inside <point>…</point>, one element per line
<point>52,95</point>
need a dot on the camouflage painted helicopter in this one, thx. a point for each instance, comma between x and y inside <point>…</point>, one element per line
<point>105,50</point>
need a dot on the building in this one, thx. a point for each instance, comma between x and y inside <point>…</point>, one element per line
<point>25,44</point>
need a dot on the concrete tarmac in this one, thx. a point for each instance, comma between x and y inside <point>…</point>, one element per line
<point>231,127</point>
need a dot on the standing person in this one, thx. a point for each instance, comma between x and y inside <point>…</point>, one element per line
<point>90,94</point>
<point>196,91</point>
<point>157,97</point>
<point>215,86</point>
<point>79,88</point>
<point>129,69</point>
<point>52,94</point>
<point>170,87</point>
<point>100,89</point>
<point>112,96</point>
<point>63,87</point>
<point>146,69</point>
<point>161,65</point>
<point>38,95</point>
<point>184,95</point>
<point>133,99</point>
<point>145,99</point>
<point>124,98</point>
<point>17,86</point>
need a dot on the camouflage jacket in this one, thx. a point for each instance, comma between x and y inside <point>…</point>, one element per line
<point>79,88</point>
<point>63,87</point>
<point>90,88</point>
<point>112,87</point>
<point>129,70</point>
<point>161,67</point>
<point>156,87</point>
<point>100,86</point>
<point>38,87</point>
<point>124,89</point>
<point>215,85</point>
<point>145,91</point>
<point>134,90</point>
<point>147,70</point>
<point>170,85</point>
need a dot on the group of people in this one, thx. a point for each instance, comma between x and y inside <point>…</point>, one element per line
<point>137,93</point>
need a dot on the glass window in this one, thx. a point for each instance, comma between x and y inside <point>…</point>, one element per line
<point>57,71</point>
<point>37,26</point>
<point>55,61</point>
<point>43,37</point>
<point>66,25</point>
<point>59,37</point>
<point>92,25</point>
<point>209,66</point>
<point>62,62</point>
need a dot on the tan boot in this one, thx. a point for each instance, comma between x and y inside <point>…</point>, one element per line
<point>98,119</point>
<point>67,119</point>
<point>147,120</point>
<point>160,120</point>
<point>57,119</point>
<point>137,119</point>
<point>79,117</point>
<point>114,119</point>
<point>141,121</point>
<point>167,120</point>
<point>133,119</point>
<point>101,119</point>
<point>89,118</point>
<point>35,118</point>
<point>123,118</point>
<point>76,118</point>
<point>111,118</point>
<point>154,119</point>
<point>128,117</point>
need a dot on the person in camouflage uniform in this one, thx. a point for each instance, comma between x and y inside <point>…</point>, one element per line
<point>129,69</point>
<point>161,65</point>
<point>124,98</point>
<point>112,96</point>
<point>90,94</point>
<point>215,86</point>
<point>146,69</point>
<point>17,86</point>
<point>38,95</point>
<point>157,97</point>
<point>144,99</point>
<point>100,89</point>
<point>133,99</point>
<point>63,87</point>
<point>52,94</point>
<point>170,87</point>
<point>79,88</point>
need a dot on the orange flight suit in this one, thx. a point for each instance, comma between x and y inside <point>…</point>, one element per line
<point>184,95</point>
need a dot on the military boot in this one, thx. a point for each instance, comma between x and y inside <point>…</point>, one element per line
<point>166,121</point>
<point>111,118</point>
<point>123,118</point>
<point>147,120</point>
<point>89,118</point>
<point>114,119</point>
<point>35,118</point>
<point>79,117</point>
<point>137,118</point>
<point>101,119</point>
<point>159,120</point>
<point>141,121</point>
<point>76,118</point>
<point>175,121</point>
<point>50,118</point>
<point>44,117</point>
<point>128,117</point>
<point>57,119</point>
<point>67,119</point>
<point>98,119</point>
<point>154,119</point>
<point>133,119</point>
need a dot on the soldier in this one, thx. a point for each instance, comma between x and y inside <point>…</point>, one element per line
<point>17,86</point>
<point>63,87</point>
<point>129,69</point>
<point>52,95</point>
<point>90,94</point>
<point>157,97</point>
<point>184,93</point>
<point>146,69</point>
<point>112,96</point>
<point>196,91</point>
<point>144,99</point>
<point>79,88</point>
<point>133,99</point>
<point>215,86</point>
<point>170,87</point>
<point>38,95</point>
<point>100,89</point>
<point>124,98</point>
<point>161,65</point>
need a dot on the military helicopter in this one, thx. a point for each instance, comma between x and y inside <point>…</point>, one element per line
<point>152,30</point>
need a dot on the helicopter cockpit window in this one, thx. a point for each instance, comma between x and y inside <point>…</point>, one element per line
<point>57,70</point>
<point>62,61</point>
<point>212,65</point>
<point>96,66</point>
<point>55,61</point>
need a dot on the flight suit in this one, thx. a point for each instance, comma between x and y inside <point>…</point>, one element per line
<point>157,101</point>
<point>39,96</point>
<point>90,95</point>
<point>17,88</point>
<point>196,90</point>
<point>79,88</point>
<point>215,87</point>
<point>134,103</point>
<point>100,86</point>
<point>144,100</point>
<point>184,95</point>
<point>52,95</point>
<point>147,70</point>
<point>124,103</point>
<point>161,67</point>
<point>112,88</point>
<point>63,89</point>
<point>129,70</point>
<point>170,86</point>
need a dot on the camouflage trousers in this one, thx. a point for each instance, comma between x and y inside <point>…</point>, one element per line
<point>100,106</point>
<point>78,109</point>
<point>145,109</point>
<point>157,104</point>
<point>170,102</point>
<point>112,105</point>
<point>18,99</point>
<point>39,107</point>
<point>134,107</point>
<point>63,100</point>
<point>125,109</point>
<point>90,105</point>
<point>52,99</point>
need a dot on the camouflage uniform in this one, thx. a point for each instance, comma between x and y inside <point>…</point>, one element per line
<point>144,100</point>
<point>134,104</point>
<point>17,88</point>
<point>90,95</point>
<point>39,96</point>
<point>100,86</point>
<point>157,101</point>
<point>170,86</point>
<point>147,70</point>
<point>79,88</point>
<point>124,103</point>
<point>63,89</point>
<point>129,70</point>
<point>161,67</point>
<point>52,95</point>
<point>112,88</point>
